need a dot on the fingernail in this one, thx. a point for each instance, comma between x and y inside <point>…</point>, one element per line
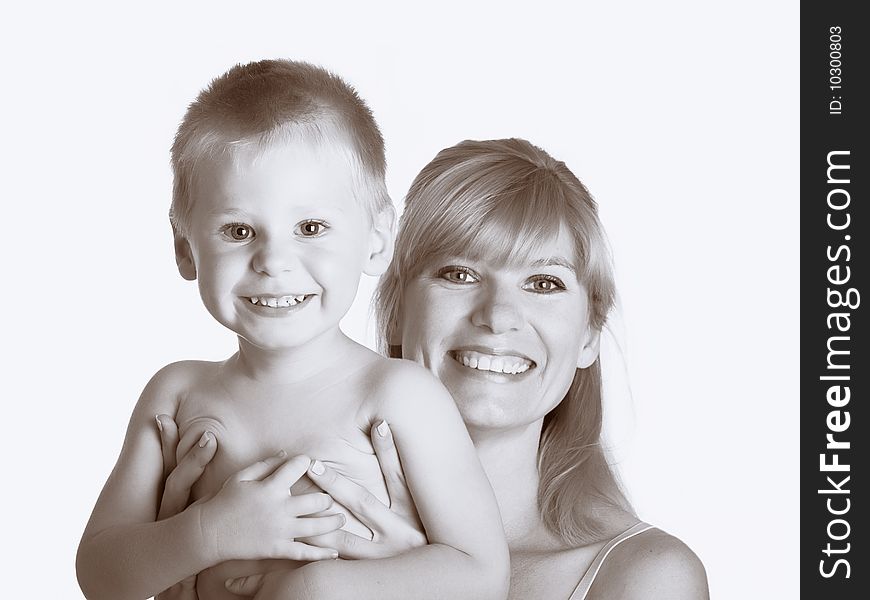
<point>334,555</point>
<point>159,424</point>
<point>281,453</point>
<point>317,467</point>
<point>205,439</point>
<point>383,428</point>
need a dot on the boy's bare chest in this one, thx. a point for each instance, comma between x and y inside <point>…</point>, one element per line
<point>330,425</point>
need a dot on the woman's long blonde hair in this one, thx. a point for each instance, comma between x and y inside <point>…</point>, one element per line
<point>502,198</point>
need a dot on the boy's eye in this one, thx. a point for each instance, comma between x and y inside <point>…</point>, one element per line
<point>544,284</point>
<point>311,228</point>
<point>458,274</point>
<point>238,232</point>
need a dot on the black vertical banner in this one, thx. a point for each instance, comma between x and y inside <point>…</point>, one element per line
<point>835,369</point>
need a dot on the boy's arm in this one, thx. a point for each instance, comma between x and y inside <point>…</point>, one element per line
<point>467,555</point>
<point>124,553</point>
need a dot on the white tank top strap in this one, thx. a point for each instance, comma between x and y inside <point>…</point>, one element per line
<point>589,576</point>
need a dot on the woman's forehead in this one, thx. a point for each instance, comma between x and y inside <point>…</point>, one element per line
<point>543,246</point>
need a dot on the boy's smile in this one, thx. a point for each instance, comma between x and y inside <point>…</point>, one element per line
<point>271,306</point>
<point>278,240</point>
<point>282,302</point>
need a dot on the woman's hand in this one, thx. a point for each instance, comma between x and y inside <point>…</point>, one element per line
<point>396,527</point>
<point>179,479</point>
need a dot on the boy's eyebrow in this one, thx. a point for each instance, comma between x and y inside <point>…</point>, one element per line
<point>235,212</point>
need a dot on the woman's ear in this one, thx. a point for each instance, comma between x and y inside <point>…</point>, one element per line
<point>184,256</point>
<point>381,241</point>
<point>589,351</point>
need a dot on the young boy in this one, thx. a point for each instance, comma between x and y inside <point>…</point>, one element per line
<point>279,205</point>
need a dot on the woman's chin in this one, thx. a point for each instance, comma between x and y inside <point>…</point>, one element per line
<point>486,399</point>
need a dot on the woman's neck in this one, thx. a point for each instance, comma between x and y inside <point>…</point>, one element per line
<point>510,459</point>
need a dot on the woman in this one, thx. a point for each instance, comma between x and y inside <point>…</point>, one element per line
<point>500,285</point>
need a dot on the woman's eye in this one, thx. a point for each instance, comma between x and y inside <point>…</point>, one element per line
<point>311,228</point>
<point>545,284</point>
<point>458,274</point>
<point>238,232</point>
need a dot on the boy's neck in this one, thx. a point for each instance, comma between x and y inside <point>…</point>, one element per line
<point>324,353</point>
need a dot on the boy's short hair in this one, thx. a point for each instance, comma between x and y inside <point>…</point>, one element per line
<point>253,106</point>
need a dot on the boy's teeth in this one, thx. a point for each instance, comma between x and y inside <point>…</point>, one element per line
<point>498,364</point>
<point>276,302</point>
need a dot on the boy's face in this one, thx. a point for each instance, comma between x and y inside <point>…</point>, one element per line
<point>278,242</point>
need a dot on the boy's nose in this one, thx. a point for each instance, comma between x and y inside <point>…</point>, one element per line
<point>274,257</point>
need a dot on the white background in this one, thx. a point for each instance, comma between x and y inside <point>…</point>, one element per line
<point>681,117</point>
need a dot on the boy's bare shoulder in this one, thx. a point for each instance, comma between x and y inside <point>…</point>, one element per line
<point>396,374</point>
<point>184,373</point>
<point>170,384</point>
<point>653,564</point>
<point>399,383</point>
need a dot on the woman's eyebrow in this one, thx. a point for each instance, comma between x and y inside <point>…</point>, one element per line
<point>554,261</point>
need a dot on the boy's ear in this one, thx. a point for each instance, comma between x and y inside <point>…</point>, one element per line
<point>184,256</point>
<point>381,242</point>
<point>590,349</point>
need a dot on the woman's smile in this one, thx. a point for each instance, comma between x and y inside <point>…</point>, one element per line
<point>492,360</point>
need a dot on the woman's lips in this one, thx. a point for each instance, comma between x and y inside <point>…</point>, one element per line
<point>507,363</point>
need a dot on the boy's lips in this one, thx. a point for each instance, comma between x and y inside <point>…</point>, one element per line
<point>276,306</point>
<point>279,301</point>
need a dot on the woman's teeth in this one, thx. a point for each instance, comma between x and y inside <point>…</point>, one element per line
<point>511,365</point>
<point>277,302</point>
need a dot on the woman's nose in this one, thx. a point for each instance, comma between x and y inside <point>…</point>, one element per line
<point>497,311</point>
<point>274,256</point>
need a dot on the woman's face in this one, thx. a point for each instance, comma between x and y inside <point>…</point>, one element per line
<point>504,338</point>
